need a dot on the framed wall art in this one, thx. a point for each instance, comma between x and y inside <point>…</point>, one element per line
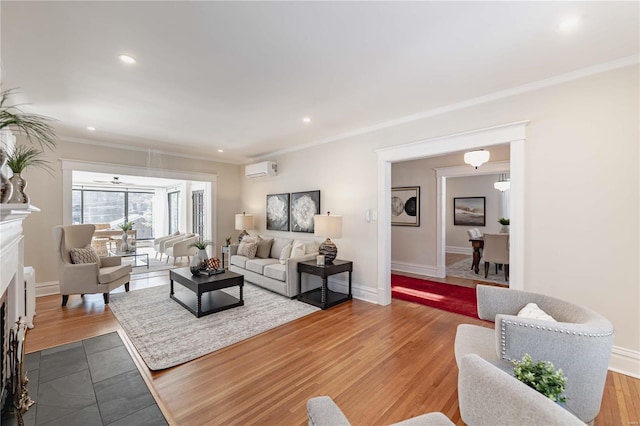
<point>304,206</point>
<point>278,212</point>
<point>469,211</point>
<point>405,206</point>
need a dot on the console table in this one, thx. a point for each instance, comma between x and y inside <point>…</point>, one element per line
<point>323,297</point>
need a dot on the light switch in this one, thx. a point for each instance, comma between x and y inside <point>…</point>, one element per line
<point>375,215</point>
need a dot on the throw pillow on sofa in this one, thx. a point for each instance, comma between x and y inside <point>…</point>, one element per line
<point>298,249</point>
<point>264,247</point>
<point>84,255</point>
<point>286,253</point>
<point>248,247</point>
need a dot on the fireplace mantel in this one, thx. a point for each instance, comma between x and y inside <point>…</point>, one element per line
<point>12,256</point>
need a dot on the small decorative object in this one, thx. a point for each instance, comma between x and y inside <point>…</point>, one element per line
<point>212,263</point>
<point>126,227</point>
<point>405,206</point>
<point>505,225</point>
<point>243,222</point>
<point>202,255</point>
<point>304,206</point>
<point>541,376</point>
<point>330,227</point>
<point>469,211</point>
<point>6,189</point>
<point>320,260</point>
<point>278,212</point>
<point>19,159</point>
<point>194,265</point>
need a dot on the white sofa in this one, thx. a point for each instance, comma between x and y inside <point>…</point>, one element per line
<point>268,272</point>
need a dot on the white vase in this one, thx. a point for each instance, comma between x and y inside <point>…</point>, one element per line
<point>202,255</point>
<point>504,229</point>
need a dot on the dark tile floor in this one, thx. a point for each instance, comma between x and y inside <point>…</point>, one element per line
<point>92,382</point>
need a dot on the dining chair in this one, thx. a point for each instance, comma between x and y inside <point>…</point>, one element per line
<point>496,250</point>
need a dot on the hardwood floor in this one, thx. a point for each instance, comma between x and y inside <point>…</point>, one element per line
<point>381,364</point>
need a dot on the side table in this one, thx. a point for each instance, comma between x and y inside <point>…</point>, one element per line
<point>223,250</point>
<point>323,297</point>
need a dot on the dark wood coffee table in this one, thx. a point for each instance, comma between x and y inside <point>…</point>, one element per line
<point>204,297</point>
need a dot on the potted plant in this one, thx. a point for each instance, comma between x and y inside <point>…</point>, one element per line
<point>227,241</point>
<point>33,126</point>
<point>126,227</point>
<point>201,245</point>
<point>18,160</point>
<point>541,376</point>
<point>505,225</point>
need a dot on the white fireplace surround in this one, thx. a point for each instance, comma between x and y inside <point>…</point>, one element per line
<point>12,262</point>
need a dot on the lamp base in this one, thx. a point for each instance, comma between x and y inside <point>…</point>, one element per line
<point>242,235</point>
<point>329,250</point>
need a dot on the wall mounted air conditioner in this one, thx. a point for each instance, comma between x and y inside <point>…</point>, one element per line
<point>266,168</point>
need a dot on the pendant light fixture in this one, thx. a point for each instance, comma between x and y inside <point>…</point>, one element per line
<point>476,158</point>
<point>503,184</point>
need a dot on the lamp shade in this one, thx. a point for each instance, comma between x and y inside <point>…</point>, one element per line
<point>328,226</point>
<point>244,221</point>
<point>503,184</point>
<point>476,158</point>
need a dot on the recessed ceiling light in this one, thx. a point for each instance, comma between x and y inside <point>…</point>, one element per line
<point>306,120</point>
<point>91,128</point>
<point>127,59</point>
<point>569,24</point>
<point>221,150</point>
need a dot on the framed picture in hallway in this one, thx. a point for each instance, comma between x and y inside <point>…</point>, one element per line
<point>405,206</point>
<point>469,211</point>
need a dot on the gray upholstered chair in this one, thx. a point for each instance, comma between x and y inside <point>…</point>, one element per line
<point>496,250</point>
<point>487,396</point>
<point>579,343</point>
<point>86,278</point>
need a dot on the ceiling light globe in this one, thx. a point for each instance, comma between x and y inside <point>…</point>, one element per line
<point>476,158</point>
<point>127,59</point>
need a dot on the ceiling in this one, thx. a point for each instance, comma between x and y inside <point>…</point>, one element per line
<point>240,76</point>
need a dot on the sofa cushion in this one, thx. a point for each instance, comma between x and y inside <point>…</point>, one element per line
<point>276,271</point>
<point>285,253</point>
<point>264,248</point>
<point>298,249</point>
<point>278,245</point>
<point>238,260</point>
<point>84,255</point>
<point>248,249</point>
<point>112,273</point>
<point>532,310</point>
<point>257,265</point>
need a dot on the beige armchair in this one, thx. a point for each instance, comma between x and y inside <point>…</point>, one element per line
<point>157,244</point>
<point>165,244</point>
<point>83,278</point>
<point>496,250</point>
<point>181,248</point>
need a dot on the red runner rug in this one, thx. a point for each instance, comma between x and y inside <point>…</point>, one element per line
<point>448,297</point>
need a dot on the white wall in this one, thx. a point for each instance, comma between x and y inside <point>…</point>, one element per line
<point>582,186</point>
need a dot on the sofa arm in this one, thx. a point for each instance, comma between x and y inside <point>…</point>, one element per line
<point>74,278</point>
<point>292,272</point>
<point>107,261</point>
<point>322,411</point>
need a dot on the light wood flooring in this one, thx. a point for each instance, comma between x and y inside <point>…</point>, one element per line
<point>381,364</point>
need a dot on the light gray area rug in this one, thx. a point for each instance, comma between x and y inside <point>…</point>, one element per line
<point>462,269</point>
<point>166,334</point>
<point>154,265</point>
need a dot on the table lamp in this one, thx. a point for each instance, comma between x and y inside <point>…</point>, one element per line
<point>243,222</point>
<point>330,227</point>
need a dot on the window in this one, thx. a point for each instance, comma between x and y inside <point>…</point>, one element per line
<point>198,212</point>
<point>114,208</point>
<point>174,211</point>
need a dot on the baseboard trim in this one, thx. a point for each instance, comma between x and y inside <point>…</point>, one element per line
<point>459,250</point>
<point>47,288</point>
<point>625,361</point>
<point>358,291</point>
<point>413,268</point>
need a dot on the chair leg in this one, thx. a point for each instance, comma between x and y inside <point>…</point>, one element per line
<point>168,260</point>
<point>65,299</point>
<point>105,296</point>
<point>506,272</point>
<point>486,269</point>
<point>174,261</point>
<point>126,287</point>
